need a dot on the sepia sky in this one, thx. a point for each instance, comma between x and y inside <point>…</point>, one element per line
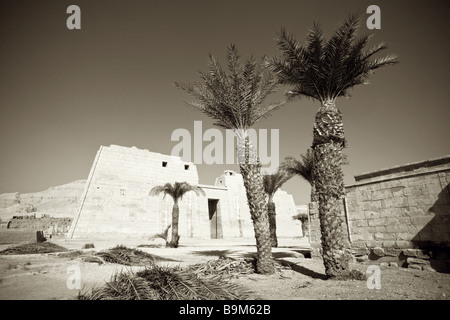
<point>63,93</point>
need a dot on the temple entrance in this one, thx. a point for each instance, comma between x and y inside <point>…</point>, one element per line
<point>215,220</point>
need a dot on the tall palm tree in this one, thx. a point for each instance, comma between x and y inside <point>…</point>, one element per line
<point>325,70</point>
<point>176,191</point>
<point>273,182</point>
<point>235,100</point>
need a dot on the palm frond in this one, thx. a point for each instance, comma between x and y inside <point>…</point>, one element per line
<point>326,69</point>
<point>234,98</point>
<point>165,189</point>
<point>165,283</point>
<point>372,51</point>
<point>302,167</point>
<point>385,61</point>
<point>296,67</point>
<point>315,44</point>
<point>181,188</point>
<point>337,51</point>
<point>176,190</point>
<point>273,182</point>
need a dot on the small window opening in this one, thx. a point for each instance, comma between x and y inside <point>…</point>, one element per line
<point>164,164</point>
<point>186,167</point>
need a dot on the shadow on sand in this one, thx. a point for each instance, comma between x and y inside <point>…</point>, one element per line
<point>305,271</point>
<point>294,266</point>
<point>212,253</point>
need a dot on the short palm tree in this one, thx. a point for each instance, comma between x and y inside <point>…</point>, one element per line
<point>325,70</point>
<point>176,191</point>
<point>304,168</point>
<point>273,182</point>
<point>235,100</point>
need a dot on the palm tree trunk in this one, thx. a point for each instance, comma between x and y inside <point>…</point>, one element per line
<point>313,192</point>
<point>271,211</point>
<point>253,183</point>
<point>175,217</point>
<point>328,139</point>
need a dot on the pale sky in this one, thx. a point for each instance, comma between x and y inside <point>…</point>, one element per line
<point>63,93</point>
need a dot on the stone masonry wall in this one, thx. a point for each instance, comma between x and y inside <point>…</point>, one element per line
<point>399,215</point>
<point>402,207</point>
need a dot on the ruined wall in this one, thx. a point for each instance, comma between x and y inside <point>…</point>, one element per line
<point>401,207</point>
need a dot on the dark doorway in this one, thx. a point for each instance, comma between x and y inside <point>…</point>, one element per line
<point>215,219</point>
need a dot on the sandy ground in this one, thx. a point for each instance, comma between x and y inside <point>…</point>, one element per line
<point>46,276</point>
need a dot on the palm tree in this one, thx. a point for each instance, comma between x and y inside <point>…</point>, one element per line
<point>302,168</point>
<point>325,70</point>
<point>176,191</point>
<point>235,100</point>
<point>273,182</point>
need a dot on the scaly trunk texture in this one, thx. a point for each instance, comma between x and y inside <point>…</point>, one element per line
<point>175,217</point>
<point>250,168</point>
<point>313,192</point>
<point>328,139</point>
<point>271,211</point>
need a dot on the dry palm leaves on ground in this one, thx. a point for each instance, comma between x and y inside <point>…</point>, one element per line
<point>222,266</point>
<point>34,248</point>
<point>121,255</point>
<point>228,267</point>
<point>165,283</point>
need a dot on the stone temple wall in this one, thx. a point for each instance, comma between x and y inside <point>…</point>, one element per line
<point>285,210</point>
<point>395,211</point>
<point>404,207</point>
<point>240,213</point>
<point>115,200</point>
